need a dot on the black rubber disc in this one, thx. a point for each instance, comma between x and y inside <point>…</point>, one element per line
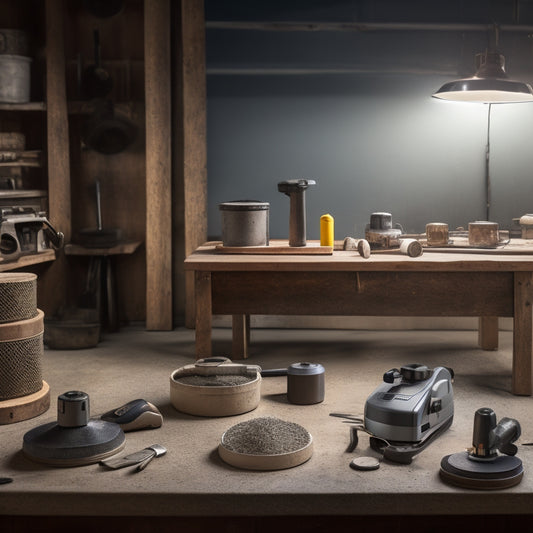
<point>73,446</point>
<point>503,472</point>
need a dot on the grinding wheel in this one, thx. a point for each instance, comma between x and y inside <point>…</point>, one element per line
<point>499,473</point>
<point>73,440</point>
<point>73,446</point>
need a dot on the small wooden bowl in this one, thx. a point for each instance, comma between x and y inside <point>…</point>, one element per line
<point>266,462</point>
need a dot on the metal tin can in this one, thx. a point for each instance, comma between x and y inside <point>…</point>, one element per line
<point>245,223</point>
<point>305,383</point>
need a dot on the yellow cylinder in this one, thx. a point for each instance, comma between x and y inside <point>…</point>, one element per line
<point>326,230</point>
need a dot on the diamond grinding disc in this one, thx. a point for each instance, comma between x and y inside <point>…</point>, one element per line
<point>502,472</point>
<point>73,446</point>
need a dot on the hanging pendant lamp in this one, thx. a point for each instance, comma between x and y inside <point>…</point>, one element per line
<point>489,85</point>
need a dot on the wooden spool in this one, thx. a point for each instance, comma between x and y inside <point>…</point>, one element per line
<point>18,296</point>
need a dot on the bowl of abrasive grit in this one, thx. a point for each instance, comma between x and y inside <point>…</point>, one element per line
<point>266,443</point>
<point>215,387</point>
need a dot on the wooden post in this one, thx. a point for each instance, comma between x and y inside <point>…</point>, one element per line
<point>53,290</point>
<point>190,149</point>
<point>158,165</point>
<point>488,332</point>
<point>522,333</point>
<point>240,336</point>
<point>203,314</point>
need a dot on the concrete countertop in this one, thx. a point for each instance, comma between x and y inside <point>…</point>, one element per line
<point>191,479</point>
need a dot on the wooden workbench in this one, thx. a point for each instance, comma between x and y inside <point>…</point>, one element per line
<point>436,284</point>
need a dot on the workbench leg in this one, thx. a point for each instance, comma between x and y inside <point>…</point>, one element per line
<point>202,286</point>
<point>241,336</point>
<point>522,333</point>
<point>488,332</point>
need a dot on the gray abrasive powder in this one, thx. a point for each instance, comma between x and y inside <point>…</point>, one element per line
<point>266,436</point>
<point>218,380</point>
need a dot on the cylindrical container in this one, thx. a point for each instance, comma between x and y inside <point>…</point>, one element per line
<point>245,223</point>
<point>483,233</point>
<point>18,296</point>
<point>437,234</point>
<point>380,221</point>
<point>21,351</point>
<point>305,383</point>
<point>327,232</point>
<point>14,79</point>
<point>208,399</point>
<point>14,42</point>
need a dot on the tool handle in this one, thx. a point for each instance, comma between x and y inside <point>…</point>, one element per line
<point>144,464</point>
<point>274,372</point>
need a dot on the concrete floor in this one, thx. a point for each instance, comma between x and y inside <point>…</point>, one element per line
<point>192,481</point>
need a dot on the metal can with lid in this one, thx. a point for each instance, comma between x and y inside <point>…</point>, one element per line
<point>305,383</point>
<point>245,223</point>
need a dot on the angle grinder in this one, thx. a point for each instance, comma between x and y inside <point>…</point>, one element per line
<point>483,466</point>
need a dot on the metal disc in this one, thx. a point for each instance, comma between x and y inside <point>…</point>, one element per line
<point>503,472</point>
<point>365,463</point>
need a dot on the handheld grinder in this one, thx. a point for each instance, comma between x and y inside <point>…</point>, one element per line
<point>491,462</point>
<point>295,190</point>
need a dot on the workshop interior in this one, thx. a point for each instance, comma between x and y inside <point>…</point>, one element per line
<point>266,264</point>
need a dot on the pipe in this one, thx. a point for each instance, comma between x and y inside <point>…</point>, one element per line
<point>361,27</point>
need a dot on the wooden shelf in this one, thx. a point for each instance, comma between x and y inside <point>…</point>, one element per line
<point>122,248</point>
<point>27,260</point>
<point>30,106</point>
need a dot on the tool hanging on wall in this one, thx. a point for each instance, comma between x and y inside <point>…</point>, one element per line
<point>95,80</point>
<point>483,466</point>
<point>99,237</point>
<point>295,190</point>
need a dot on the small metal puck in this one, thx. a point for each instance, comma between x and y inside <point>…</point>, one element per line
<point>5,480</point>
<point>365,463</point>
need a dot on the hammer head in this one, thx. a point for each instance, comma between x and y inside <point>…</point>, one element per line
<point>291,186</point>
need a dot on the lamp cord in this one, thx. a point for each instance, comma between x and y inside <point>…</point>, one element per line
<point>487,166</point>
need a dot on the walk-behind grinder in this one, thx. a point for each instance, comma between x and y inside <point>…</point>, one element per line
<point>409,410</point>
<point>482,466</point>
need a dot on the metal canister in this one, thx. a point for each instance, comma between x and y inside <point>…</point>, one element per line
<point>245,223</point>
<point>14,67</point>
<point>305,383</point>
<point>483,233</point>
<point>14,42</point>
<point>437,234</point>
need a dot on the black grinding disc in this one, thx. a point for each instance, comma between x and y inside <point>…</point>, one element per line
<point>73,446</point>
<point>502,472</point>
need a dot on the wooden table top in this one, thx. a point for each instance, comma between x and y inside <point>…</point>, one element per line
<point>518,257</point>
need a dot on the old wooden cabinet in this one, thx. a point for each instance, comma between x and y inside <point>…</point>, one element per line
<point>154,190</point>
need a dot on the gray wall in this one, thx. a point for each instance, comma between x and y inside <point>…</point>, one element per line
<point>354,112</point>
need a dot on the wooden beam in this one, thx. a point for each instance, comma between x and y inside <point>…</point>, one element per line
<point>52,292</point>
<point>522,333</point>
<point>190,148</point>
<point>158,165</point>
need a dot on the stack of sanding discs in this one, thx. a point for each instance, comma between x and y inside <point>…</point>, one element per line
<point>23,393</point>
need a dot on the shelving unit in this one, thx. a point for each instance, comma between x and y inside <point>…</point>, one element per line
<point>164,95</point>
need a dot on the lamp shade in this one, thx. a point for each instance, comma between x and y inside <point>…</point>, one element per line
<point>489,85</point>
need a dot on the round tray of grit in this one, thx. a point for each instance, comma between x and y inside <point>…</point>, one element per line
<point>266,443</point>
